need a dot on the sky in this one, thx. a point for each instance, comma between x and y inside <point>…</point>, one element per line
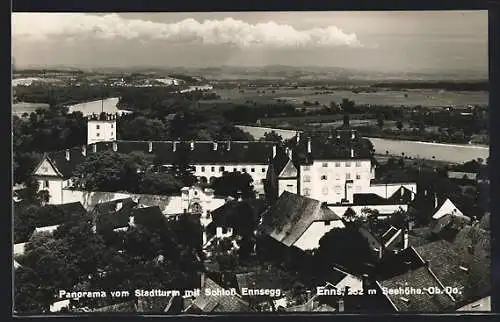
<point>387,41</point>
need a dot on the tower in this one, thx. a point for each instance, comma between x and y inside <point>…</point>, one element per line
<point>101,128</point>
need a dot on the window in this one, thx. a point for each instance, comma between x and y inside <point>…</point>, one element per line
<point>327,223</point>
<point>234,169</point>
<point>325,165</point>
<point>348,164</point>
<point>338,189</point>
<point>323,177</point>
<point>337,164</point>
<point>358,188</point>
<point>263,169</point>
<point>289,185</point>
<point>244,170</point>
<point>358,164</point>
<point>325,190</point>
<point>252,170</point>
<point>97,134</point>
<point>202,169</point>
<point>307,178</point>
<point>112,125</point>
<point>358,176</point>
<point>307,168</point>
<point>221,169</point>
<point>45,184</point>
<point>212,169</point>
<point>97,126</point>
<point>307,192</point>
<point>348,176</point>
<point>111,133</point>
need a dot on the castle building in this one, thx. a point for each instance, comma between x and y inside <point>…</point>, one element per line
<point>331,172</point>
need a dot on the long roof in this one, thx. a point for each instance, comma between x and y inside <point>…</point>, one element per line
<point>292,214</point>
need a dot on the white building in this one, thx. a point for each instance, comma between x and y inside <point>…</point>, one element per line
<point>330,173</point>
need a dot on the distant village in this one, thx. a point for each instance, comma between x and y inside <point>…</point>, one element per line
<point>317,231</point>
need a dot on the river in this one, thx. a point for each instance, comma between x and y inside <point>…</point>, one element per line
<point>455,153</point>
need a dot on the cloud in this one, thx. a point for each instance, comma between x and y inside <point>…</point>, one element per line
<point>43,26</point>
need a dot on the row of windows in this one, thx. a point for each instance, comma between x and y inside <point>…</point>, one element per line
<point>337,165</point>
<point>98,126</point>
<point>222,169</point>
<point>338,190</point>
<point>337,177</point>
<point>97,134</point>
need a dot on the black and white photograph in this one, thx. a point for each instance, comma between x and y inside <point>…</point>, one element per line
<point>199,163</point>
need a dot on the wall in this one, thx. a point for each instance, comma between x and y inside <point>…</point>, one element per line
<point>331,189</point>
<point>387,190</point>
<point>289,185</point>
<point>106,131</point>
<point>310,238</point>
<point>382,209</point>
<point>55,188</point>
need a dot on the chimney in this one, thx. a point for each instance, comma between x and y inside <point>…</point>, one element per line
<point>174,146</point>
<point>352,152</point>
<point>353,135</point>
<point>191,145</point>
<point>228,145</point>
<point>340,305</point>
<point>150,146</point>
<point>115,146</point>
<point>215,146</point>
<point>274,151</point>
<point>119,205</point>
<point>297,137</point>
<point>84,150</point>
<point>67,155</point>
<point>435,201</point>
<point>309,149</point>
<point>94,148</point>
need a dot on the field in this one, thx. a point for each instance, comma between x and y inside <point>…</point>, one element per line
<point>429,98</point>
<point>23,107</point>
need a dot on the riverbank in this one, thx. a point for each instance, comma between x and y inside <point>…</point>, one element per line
<point>454,153</point>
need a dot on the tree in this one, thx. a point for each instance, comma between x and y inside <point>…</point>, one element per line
<point>234,184</point>
<point>272,136</point>
<point>162,183</point>
<point>181,167</point>
<point>102,171</point>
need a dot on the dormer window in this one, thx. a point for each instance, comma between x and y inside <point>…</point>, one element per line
<point>465,269</point>
<point>327,223</point>
<point>97,126</point>
<point>323,177</point>
<point>337,164</point>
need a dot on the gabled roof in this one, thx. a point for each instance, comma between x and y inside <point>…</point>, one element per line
<point>447,207</point>
<point>401,196</point>
<point>218,303</point>
<point>421,279</point>
<point>292,214</point>
<point>279,161</point>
